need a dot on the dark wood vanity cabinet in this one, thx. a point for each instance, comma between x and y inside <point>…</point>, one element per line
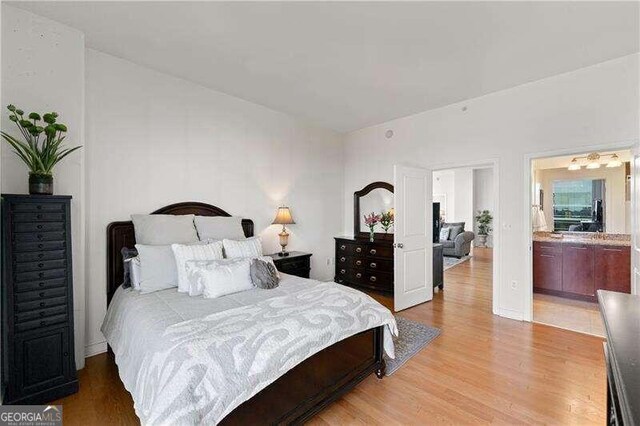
<point>365,264</point>
<point>578,270</point>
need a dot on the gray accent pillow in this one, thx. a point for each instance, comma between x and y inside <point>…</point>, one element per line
<point>219,228</point>
<point>455,231</point>
<point>163,229</point>
<point>263,274</point>
<point>127,255</point>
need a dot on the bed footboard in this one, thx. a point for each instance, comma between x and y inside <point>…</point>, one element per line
<point>316,382</point>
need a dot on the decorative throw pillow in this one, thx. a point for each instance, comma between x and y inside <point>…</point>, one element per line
<point>219,227</point>
<point>162,229</point>
<point>158,268</point>
<point>215,278</point>
<point>135,272</point>
<point>455,231</point>
<point>184,253</point>
<point>264,274</point>
<point>127,255</point>
<point>251,247</point>
<point>444,233</point>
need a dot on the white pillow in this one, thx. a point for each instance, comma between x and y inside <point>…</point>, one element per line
<point>158,268</point>
<point>444,233</point>
<point>184,253</point>
<point>219,228</point>
<point>251,248</point>
<point>161,229</point>
<point>215,278</point>
<point>134,272</point>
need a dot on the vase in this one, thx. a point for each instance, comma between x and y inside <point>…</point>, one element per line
<point>372,235</point>
<point>482,240</point>
<point>40,184</point>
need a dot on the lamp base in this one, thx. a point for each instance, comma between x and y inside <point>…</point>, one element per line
<point>283,254</point>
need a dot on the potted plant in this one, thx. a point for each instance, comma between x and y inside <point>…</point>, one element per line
<point>371,220</point>
<point>484,219</point>
<point>41,148</point>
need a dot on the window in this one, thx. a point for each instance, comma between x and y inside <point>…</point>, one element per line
<point>574,202</point>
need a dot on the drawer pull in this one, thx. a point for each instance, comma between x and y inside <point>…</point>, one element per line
<point>342,259</point>
<point>39,226</point>
<point>41,274</point>
<point>342,271</point>
<point>372,279</point>
<point>42,304</point>
<point>39,216</point>
<point>40,265</point>
<point>40,256</point>
<point>547,255</point>
<point>340,280</point>
<point>358,249</point>
<point>611,249</point>
<point>42,313</point>
<point>42,294</point>
<point>39,207</point>
<point>43,323</point>
<point>343,247</point>
<point>373,265</point>
<point>40,245</point>
<point>39,236</point>
<point>373,251</point>
<point>358,275</point>
<point>66,354</point>
<point>358,262</point>
<point>41,284</point>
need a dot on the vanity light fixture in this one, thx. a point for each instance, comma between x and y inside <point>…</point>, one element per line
<point>574,165</point>
<point>614,162</point>
<point>593,161</point>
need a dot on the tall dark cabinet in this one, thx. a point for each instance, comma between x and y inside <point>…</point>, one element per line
<point>38,363</point>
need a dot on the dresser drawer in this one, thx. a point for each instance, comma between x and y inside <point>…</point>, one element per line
<point>39,285</point>
<point>40,246</point>
<point>38,226</point>
<point>35,256</point>
<point>40,265</point>
<point>39,275</point>
<point>350,249</point>
<point>351,262</point>
<point>38,207</point>
<point>40,313</point>
<point>40,323</point>
<point>382,265</point>
<point>39,236</point>
<point>385,251</point>
<point>38,217</point>
<point>41,294</point>
<point>374,281</point>
<point>40,304</point>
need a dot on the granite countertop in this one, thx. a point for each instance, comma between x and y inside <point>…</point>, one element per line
<point>601,239</point>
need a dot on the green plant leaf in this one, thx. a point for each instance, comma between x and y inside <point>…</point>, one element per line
<point>48,118</point>
<point>13,118</point>
<point>19,112</point>
<point>25,123</point>
<point>11,108</point>
<point>61,127</point>
<point>34,116</point>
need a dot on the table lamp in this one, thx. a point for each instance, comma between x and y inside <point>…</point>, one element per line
<point>283,217</point>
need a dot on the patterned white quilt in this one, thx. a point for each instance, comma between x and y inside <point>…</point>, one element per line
<point>198,370</point>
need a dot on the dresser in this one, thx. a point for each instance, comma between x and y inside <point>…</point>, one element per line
<point>365,264</point>
<point>297,263</point>
<point>38,363</point>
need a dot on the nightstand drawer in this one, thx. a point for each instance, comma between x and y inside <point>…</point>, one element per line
<point>297,263</point>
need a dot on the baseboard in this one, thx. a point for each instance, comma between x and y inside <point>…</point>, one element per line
<point>508,313</point>
<point>95,349</point>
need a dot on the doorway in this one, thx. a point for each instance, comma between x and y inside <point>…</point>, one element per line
<point>465,198</point>
<point>580,216</point>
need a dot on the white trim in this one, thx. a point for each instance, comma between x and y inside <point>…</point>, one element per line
<point>95,349</point>
<point>528,180</point>
<point>494,164</point>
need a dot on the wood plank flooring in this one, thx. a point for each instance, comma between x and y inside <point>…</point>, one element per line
<point>481,369</point>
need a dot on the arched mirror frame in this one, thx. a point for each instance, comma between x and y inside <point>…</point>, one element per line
<point>356,209</point>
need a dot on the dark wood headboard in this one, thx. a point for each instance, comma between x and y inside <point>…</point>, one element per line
<point>121,234</point>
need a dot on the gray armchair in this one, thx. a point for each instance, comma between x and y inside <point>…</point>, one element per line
<point>459,243</point>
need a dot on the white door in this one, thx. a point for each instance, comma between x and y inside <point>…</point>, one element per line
<point>413,248</point>
<point>635,221</point>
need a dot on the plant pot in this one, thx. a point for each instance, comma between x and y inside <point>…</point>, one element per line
<point>40,184</point>
<point>482,240</point>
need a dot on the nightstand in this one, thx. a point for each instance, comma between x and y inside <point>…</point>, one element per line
<point>297,263</point>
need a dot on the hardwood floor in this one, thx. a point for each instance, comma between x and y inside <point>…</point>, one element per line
<point>481,369</point>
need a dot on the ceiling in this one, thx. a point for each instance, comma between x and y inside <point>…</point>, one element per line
<point>563,162</point>
<point>348,65</point>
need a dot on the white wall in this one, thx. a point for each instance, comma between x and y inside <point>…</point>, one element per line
<point>483,197</point>
<point>43,71</point>
<point>588,107</point>
<point>463,181</point>
<point>444,192</point>
<point>154,140</point>
<point>615,181</point>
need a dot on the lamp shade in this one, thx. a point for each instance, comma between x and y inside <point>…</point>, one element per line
<point>283,217</point>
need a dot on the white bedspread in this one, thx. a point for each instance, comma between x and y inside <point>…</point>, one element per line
<point>190,360</point>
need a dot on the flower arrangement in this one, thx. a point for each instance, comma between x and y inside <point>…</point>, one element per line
<point>41,149</point>
<point>371,220</point>
<point>386,220</point>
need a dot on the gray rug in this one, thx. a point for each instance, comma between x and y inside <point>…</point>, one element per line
<point>450,262</point>
<point>412,337</point>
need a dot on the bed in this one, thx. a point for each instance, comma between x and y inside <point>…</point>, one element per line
<point>295,396</point>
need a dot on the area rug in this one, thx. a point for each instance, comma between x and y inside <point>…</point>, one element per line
<point>412,337</point>
<point>450,262</point>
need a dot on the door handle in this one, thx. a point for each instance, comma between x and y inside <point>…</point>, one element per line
<point>398,245</point>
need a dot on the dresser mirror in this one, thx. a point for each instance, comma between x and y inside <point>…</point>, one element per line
<point>377,197</point>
